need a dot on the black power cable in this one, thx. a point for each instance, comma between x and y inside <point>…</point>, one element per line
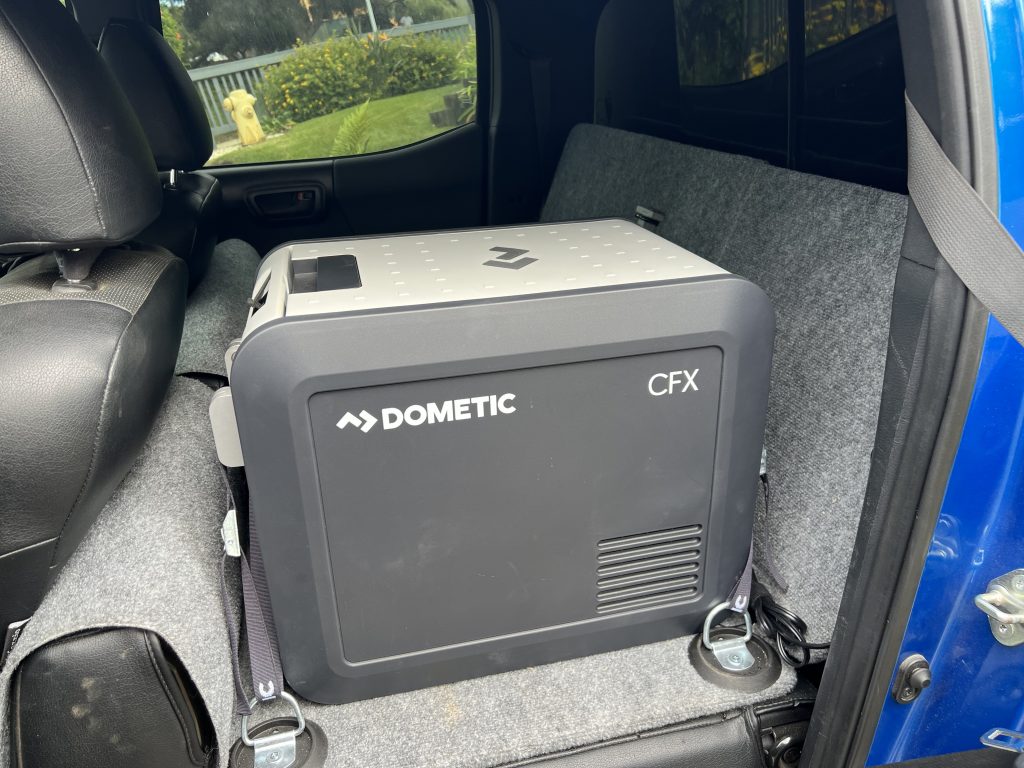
<point>787,630</point>
<point>780,625</point>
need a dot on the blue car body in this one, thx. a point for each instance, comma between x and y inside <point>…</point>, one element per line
<point>978,683</point>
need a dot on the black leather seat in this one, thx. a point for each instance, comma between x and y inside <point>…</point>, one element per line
<point>172,116</point>
<point>150,713</point>
<point>89,327</point>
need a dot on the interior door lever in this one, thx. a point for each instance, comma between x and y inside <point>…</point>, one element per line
<point>288,202</point>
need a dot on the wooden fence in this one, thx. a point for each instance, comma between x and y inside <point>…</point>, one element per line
<point>214,82</point>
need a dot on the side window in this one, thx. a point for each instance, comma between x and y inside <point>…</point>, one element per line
<point>727,42</point>
<point>301,79</point>
<point>827,22</point>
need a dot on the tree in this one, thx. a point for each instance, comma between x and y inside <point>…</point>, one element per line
<point>242,28</point>
<point>172,32</point>
<point>386,12</point>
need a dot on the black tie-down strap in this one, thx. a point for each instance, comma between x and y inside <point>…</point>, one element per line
<point>261,637</point>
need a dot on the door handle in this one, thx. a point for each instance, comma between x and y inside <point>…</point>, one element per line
<point>286,203</point>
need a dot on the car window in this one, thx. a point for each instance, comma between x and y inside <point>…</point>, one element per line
<point>729,41</point>
<point>827,22</point>
<point>300,79</point>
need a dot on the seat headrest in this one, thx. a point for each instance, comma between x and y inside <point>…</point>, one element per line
<point>76,171</point>
<point>159,88</point>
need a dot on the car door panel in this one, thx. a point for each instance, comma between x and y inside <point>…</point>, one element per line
<point>436,183</point>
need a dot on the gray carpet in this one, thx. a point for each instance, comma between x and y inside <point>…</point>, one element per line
<point>217,309</point>
<point>515,716</point>
<point>607,172</point>
<point>825,252</point>
<point>152,561</point>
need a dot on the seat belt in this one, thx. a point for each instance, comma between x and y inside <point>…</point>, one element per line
<point>261,642</point>
<point>966,232</point>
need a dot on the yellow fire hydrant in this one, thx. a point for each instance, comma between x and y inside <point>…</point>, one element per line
<point>239,105</point>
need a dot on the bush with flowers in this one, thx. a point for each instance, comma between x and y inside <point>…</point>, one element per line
<point>321,78</point>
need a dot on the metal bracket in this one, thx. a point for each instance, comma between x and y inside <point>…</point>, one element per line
<point>275,750</point>
<point>731,653</point>
<point>229,534</point>
<point>1003,603</point>
<point>1001,738</point>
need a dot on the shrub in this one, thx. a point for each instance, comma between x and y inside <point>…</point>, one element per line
<point>317,80</point>
<point>322,78</point>
<point>465,72</point>
<point>419,62</point>
<point>432,10</point>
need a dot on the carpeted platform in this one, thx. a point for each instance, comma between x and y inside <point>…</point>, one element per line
<point>216,310</point>
<point>152,561</point>
<point>825,252</point>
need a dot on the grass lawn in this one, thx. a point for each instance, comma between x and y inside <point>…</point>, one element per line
<point>394,122</point>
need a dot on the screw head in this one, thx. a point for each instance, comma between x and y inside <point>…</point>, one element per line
<point>274,757</point>
<point>1018,583</point>
<point>1004,629</point>
<point>734,658</point>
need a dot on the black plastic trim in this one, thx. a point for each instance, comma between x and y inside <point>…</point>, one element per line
<point>896,531</point>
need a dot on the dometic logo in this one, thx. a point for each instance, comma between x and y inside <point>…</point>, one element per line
<point>432,413</point>
<point>365,421</point>
<point>510,258</point>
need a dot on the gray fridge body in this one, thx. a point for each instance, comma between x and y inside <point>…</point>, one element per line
<point>447,485</point>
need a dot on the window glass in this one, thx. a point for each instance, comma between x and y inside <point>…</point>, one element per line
<point>297,79</point>
<point>728,42</point>
<point>827,22</point>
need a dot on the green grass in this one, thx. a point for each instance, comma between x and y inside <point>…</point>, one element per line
<point>394,122</point>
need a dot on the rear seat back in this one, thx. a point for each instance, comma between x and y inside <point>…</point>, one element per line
<point>609,172</point>
<point>826,253</point>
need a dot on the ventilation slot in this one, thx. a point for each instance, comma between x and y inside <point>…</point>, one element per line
<point>648,570</point>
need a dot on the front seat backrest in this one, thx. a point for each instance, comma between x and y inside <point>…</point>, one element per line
<point>174,121</point>
<point>89,327</point>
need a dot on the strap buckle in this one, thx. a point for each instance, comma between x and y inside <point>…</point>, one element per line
<point>731,653</point>
<point>274,750</point>
<point>648,218</point>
